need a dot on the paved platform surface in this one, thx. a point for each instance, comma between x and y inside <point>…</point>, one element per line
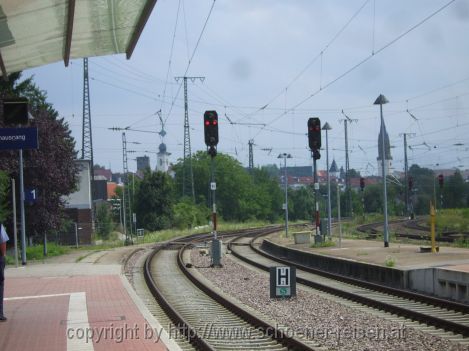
<point>89,305</point>
<point>406,256</point>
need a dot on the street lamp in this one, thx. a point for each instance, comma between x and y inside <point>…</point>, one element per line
<point>327,127</point>
<point>381,100</point>
<point>285,156</point>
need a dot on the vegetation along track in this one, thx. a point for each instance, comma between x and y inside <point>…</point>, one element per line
<point>450,316</point>
<point>419,232</point>
<point>207,319</point>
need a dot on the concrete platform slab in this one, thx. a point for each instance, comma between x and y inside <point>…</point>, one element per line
<point>459,268</point>
<point>406,256</point>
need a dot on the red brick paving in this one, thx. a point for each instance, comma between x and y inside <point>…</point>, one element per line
<point>41,324</point>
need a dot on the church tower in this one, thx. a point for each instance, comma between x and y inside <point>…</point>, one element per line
<point>333,170</point>
<point>162,159</point>
<point>387,149</point>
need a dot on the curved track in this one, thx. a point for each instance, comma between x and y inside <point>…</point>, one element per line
<point>206,318</point>
<point>418,232</point>
<point>449,316</point>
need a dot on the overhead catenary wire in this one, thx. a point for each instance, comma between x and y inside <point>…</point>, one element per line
<point>191,58</point>
<point>315,58</point>
<point>366,59</point>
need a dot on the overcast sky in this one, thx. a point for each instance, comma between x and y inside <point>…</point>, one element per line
<point>262,60</point>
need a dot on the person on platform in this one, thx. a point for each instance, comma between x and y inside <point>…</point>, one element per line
<point>3,251</point>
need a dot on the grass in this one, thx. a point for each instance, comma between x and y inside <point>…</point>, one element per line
<point>452,220</point>
<point>362,253</point>
<point>462,242</point>
<point>36,252</point>
<point>168,234</point>
<point>328,243</point>
<point>390,261</point>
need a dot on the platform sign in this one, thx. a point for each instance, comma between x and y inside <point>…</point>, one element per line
<point>18,138</point>
<point>30,195</point>
<point>282,282</point>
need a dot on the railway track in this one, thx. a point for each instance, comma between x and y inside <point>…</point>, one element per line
<point>419,232</point>
<point>451,317</point>
<point>204,317</point>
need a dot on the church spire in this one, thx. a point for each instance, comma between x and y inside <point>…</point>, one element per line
<point>387,145</point>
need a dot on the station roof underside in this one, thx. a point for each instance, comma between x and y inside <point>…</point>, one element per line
<point>38,32</point>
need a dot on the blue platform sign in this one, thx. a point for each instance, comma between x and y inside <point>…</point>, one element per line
<point>18,138</point>
<point>30,195</point>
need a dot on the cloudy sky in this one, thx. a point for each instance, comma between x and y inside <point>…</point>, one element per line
<point>278,63</point>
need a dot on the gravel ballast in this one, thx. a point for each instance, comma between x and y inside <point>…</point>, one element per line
<point>332,324</point>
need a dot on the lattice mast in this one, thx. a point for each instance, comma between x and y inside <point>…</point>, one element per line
<point>187,173</point>
<point>251,155</point>
<point>87,137</point>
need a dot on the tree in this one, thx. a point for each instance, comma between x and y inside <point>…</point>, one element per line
<point>104,224</point>
<point>187,215</point>
<point>4,189</point>
<point>423,189</point>
<point>352,173</point>
<point>272,170</point>
<point>154,200</point>
<point>268,194</point>
<point>50,169</point>
<point>240,196</point>
<point>454,192</point>
<point>302,203</point>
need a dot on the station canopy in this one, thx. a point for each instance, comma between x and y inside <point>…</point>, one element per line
<point>38,32</point>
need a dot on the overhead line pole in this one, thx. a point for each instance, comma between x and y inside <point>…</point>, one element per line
<point>406,173</point>
<point>125,168</point>
<point>187,172</point>
<point>251,155</point>
<point>327,127</point>
<point>349,206</point>
<point>87,136</point>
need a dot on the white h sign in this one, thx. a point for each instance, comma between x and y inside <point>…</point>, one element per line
<point>283,276</point>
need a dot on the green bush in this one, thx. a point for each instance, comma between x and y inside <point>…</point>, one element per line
<point>104,224</point>
<point>390,261</point>
<point>452,220</point>
<point>187,215</point>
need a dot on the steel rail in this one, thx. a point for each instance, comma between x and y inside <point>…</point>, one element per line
<point>414,315</point>
<point>185,327</point>
<point>273,332</point>
<point>180,323</point>
<point>370,229</point>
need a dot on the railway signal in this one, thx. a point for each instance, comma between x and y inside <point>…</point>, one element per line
<point>211,128</point>
<point>441,180</point>
<point>362,183</point>
<point>314,136</point>
<point>211,140</point>
<point>314,141</point>
<point>411,183</point>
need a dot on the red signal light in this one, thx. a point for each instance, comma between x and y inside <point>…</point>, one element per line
<point>211,128</point>
<point>314,133</point>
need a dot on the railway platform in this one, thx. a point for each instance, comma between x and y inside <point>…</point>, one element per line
<point>401,265</point>
<point>67,305</point>
<point>404,256</point>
